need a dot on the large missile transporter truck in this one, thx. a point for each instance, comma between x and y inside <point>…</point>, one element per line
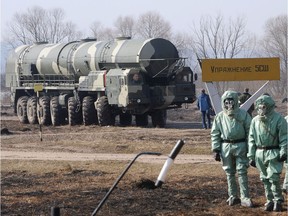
<point>90,82</point>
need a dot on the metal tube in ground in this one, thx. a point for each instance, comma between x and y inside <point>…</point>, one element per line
<point>119,178</point>
<point>55,211</point>
<point>162,176</point>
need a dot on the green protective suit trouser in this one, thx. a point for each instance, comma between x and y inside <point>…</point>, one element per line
<point>270,169</point>
<point>285,183</point>
<point>234,157</point>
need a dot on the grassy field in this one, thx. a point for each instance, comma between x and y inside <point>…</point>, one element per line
<point>32,187</point>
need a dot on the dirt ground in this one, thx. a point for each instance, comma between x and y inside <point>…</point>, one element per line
<point>74,167</point>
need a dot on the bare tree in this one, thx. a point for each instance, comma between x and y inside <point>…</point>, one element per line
<point>71,33</point>
<point>274,44</point>
<point>217,39</point>
<point>125,26</point>
<point>96,30</point>
<point>108,34</point>
<point>182,41</point>
<point>38,24</point>
<point>151,24</point>
<point>101,33</point>
<point>55,31</point>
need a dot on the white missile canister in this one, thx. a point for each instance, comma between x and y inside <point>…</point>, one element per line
<point>162,176</point>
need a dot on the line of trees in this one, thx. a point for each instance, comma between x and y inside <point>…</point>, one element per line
<point>214,37</point>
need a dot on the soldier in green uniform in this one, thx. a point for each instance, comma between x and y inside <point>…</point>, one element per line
<point>229,135</point>
<point>244,97</point>
<point>268,149</point>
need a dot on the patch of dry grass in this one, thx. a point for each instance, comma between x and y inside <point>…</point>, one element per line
<point>34,187</point>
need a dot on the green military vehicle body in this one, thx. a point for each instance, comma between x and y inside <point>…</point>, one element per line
<point>91,82</point>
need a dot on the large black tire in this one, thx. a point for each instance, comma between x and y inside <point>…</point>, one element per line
<point>88,111</point>
<point>22,109</point>
<point>141,120</point>
<point>104,112</point>
<point>55,111</point>
<point>43,111</point>
<point>32,110</point>
<point>125,119</point>
<point>74,113</point>
<point>159,118</point>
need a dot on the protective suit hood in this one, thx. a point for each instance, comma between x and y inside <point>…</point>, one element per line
<point>230,95</point>
<point>267,101</point>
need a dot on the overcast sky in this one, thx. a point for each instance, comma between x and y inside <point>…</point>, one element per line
<point>181,14</point>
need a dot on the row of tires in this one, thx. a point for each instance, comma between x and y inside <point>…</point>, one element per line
<point>47,111</point>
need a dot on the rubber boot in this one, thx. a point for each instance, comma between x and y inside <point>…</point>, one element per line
<point>246,202</point>
<point>233,201</point>
<point>269,206</point>
<point>244,190</point>
<point>277,207</point>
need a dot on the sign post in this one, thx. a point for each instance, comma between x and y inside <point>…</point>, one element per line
<point>241,69</point>
<point>37,88</point>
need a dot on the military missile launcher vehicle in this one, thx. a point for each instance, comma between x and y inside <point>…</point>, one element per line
<point>91,82</point>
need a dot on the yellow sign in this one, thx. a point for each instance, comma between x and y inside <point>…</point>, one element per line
<point>243,69</point>
<point>38,87</point>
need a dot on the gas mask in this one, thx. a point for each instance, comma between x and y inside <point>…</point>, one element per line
<point>262,111</point>
<point>229,105</point>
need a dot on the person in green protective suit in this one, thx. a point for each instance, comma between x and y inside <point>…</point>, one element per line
<point>285,183</point>
<point>267,149</point>
<point>229,135</point>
